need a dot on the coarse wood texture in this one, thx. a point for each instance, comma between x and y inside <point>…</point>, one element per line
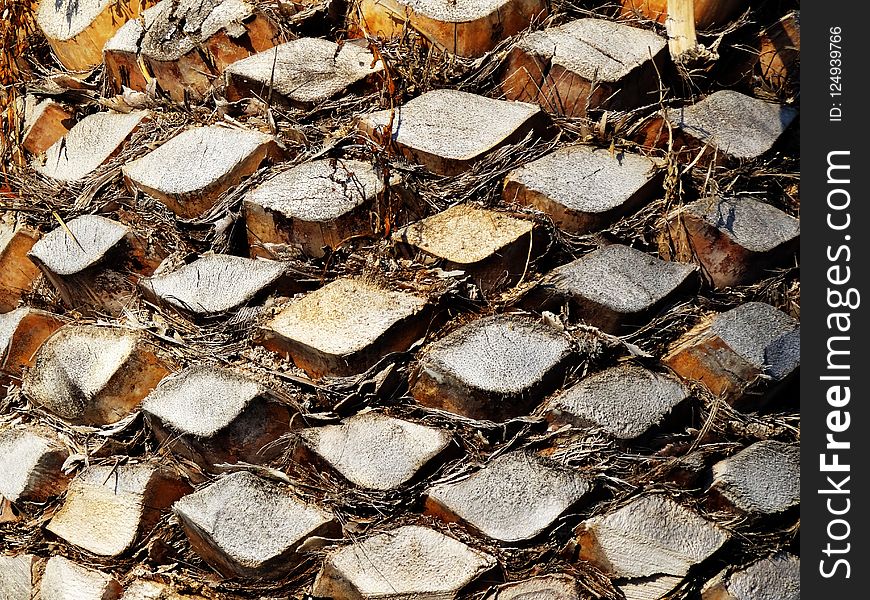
<point>92,375</point>
<point>407,562</point>
<point>77,30</point>
<point>303,73</point>
<point>726,128</point>
<point>190,171</point>
<point>260,535</point>
<point>494,368</point>
<point>108,509</point>
<point>447,131</point>
<point>650,535</point>
<point>49,122</point>
<point>216,34</point>
<point>124,68</point>
<point>585,65</point>
<point>88,261</point>
<point>66,580</point>
<point>214,416</point>
<point>742,355</point>
<point>316,206</point>
<point>583,188</point>
<point>18,272</point>
<point>735,241</point>
<point>31,459</point>
<point>493,248</point>
<point>18,576</point>
<point>466,28</point>
<point>22,332</point>
<point>343,328</point>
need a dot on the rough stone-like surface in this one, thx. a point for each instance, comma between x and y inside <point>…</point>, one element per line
<point>735,240</point>
<point>583,188</point>
<point>30,465</point>
<point>202,400</point>
<point>762,335</point>
<point>65,580</point>
<point>764,478</point>
<point>186,44</point>
<point>22,332</point>
<point>731,124</point>
<point>468,28</point>
<point>214,283</point>
<point>108,508</point>
<point>48,122</point>
<point>452,234</point>
<point>493,368</point>
<point>84,242</point>
<point>596,48</point>
<point>774,578</point>
<point>191,170</point>
<point>515,497</point>
<point>90,143</point>
<point>617,287</point>
<point>16,576</point>
<point>585,64</point>
<point>304,71</point>
<point>625,401</point>
<point>493,247</point>
<point>77,30</point>
<point>649,588</point>
<point>89,262</point>
<point>345,327</point>
<point>244,525</point>
<point>214,415</point>
<point>447,130</point>
<point>544,587</point>
<point>651,535</point>
<point>408,562</point>
<point>312,205</point>
<point>92,375</point>
<point>19,272</point>
<point>375,451</point>
<point>730,351</point>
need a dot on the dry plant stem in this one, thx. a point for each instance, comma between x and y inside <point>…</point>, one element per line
<point>680,26</point>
